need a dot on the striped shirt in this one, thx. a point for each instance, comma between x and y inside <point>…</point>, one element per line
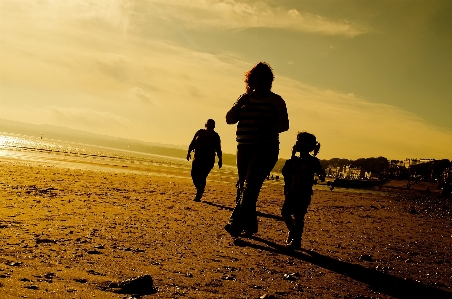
<point>259,120</point>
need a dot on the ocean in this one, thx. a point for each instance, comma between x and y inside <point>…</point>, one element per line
<point>59,153</point>
<point>83,156</point>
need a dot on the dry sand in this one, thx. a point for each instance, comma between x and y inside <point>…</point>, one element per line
<point>70,233</point>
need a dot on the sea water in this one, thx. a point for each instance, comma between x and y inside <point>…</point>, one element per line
<point>84,156</point>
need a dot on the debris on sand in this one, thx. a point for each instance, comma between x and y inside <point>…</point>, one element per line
<point>366,258</point>
<point>291,276</point>
<point>142,285</point>
<point>45,240</point>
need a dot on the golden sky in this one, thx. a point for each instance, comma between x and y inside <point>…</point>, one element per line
<point>368,79</point>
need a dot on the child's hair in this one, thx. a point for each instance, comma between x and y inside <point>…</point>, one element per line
<point>311,142</point>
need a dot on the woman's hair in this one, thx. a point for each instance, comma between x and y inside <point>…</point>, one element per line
<point>266,77</point>
<point>311,142</point>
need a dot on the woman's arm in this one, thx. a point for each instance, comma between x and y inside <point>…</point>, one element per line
<point>282,118</point>
<point>232,116</point>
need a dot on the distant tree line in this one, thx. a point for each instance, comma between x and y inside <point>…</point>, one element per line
<point>437,170</point>
<point>430,171</point>
<point>377,165</point>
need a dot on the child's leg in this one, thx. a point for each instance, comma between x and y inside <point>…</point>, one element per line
<point>299,220</point>
<point>286,213</point>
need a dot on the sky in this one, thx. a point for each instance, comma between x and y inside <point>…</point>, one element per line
<point>368,78</point>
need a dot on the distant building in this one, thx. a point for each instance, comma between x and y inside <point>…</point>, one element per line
<point>414,161</point>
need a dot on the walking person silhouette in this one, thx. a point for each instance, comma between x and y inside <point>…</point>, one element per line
<point>260,116</point>
<point>298,175</point>
<point>205,144</point>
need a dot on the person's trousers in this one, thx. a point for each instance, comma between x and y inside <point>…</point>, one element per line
<point>254,163</point>
<point>200,169</point>
<point>293,212</point>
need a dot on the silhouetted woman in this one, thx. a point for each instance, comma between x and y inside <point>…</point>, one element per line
<point>260,115</point>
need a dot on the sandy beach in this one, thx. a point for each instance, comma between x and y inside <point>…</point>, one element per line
<point>77,230</point>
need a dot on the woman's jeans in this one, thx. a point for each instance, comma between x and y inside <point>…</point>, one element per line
<point>254,163</point>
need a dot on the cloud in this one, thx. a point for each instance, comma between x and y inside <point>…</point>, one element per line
<point>113,65</point>
<point>86,117</point>
<point>165,92</point>
<point>232,14</point>
<point>145,97</point>
<point>112,13</point>
<point>353,127</point>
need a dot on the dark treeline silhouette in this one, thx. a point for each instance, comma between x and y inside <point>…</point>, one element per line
<point>378,165</point>
<point>432,171</point>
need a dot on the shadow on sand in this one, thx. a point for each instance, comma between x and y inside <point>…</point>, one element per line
<point>378,281</point>
<point>260,214</point>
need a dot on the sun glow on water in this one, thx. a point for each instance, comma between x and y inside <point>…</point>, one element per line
<point>7,140</point>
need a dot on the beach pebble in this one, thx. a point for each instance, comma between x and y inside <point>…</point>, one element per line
<point>229,277</point>
<point>14,264</point>
<point>49,275</point>
<point>81,280</point>
<point>366,258</point>
<point>92,272</point>
<point>291,276</point>
<point>142,285</point>
<point>42,240</point>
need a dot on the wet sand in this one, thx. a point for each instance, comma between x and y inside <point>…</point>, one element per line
<point>69,231</point>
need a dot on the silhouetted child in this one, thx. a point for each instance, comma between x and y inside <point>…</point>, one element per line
<point>298,175</point>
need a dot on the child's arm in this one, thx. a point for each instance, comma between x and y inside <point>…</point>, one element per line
<point>320,171</point>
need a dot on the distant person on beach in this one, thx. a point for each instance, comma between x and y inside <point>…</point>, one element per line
<point>205,143</point>
<point>260,116</point>
<point>298,175</point>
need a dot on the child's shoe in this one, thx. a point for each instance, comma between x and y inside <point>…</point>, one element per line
<point>289,238</point>
<point>294,244</point>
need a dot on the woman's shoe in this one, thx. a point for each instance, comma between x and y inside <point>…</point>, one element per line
<point>232,230</point>
<point>247,234</point>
